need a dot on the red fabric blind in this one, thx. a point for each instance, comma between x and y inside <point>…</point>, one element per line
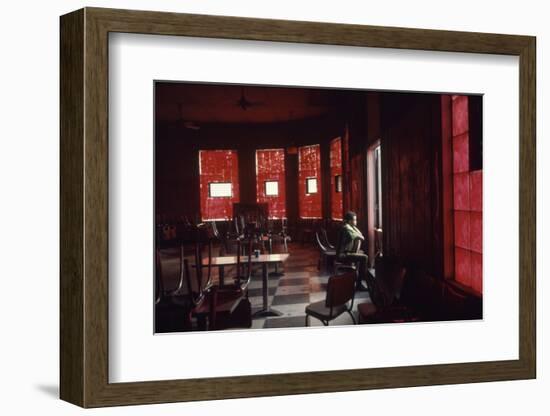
<point>336,170</point>
<point>309,166</point>
<point>270,166</point>
<point>218,166</point>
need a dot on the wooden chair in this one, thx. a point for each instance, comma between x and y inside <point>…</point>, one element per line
<point>339,299</point>
<point>172,307</point>
<point>229,304</point>
<point>325,239</point>
<point>279,234</point>
<point>243,271</point>
<point>237,227</point>
<point>219,307</point>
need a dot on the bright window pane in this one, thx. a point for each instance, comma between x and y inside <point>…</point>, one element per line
<point>311,186</point>
<point>338,183</point>
<point>219,190</point>
<point>272,188</point>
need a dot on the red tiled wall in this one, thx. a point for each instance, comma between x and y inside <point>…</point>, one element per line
<point>218,166</point>
<point>309,165</point>
<point>270,166</point>
<point>467,194</point>
<point>335,169</point>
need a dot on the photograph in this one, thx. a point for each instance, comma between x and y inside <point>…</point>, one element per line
<point>288,186</point>
<point>280,206</point>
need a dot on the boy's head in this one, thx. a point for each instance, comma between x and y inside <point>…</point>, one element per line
<point>351,218</point>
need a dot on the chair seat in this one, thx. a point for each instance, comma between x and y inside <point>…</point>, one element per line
<point>320,311</point>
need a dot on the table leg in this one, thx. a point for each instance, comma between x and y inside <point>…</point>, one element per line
<point>265,287</point>
<point>276,272</point>
<point>221,272</point>
<point>266,310</point>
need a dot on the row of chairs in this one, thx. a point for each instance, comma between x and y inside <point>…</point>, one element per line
<point>196,296</point>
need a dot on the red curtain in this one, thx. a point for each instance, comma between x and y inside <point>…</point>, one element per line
<point>309,167</point>
<point>218,166</point>
<point>270,166</point>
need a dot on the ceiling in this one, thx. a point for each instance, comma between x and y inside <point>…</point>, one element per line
<point>223,103</point>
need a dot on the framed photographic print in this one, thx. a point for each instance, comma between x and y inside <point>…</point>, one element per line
<point>244,199</point>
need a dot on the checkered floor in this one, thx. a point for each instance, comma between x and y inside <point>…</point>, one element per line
<point>289,294</point>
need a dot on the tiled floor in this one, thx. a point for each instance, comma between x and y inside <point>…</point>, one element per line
<point>289,294</point>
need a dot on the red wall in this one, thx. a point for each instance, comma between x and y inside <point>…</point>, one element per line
<point>467,194</point>
<point>218,166</point>
<point>270,166</point>
<point>177,182</point>
<point>309,166</point>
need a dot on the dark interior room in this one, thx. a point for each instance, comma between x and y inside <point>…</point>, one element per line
<point>280,207</point>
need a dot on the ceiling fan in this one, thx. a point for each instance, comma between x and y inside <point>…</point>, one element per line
<point>245,104</point>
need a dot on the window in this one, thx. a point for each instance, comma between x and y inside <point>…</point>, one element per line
<point>467,190</point>
<point>377,170</point>
<point>219,190</point>
<point>311,186</point>
<point>374,199</point>
<point>219,183</point>
<point>270,181</point>
<point>271,188</point>
<point>309,181</point>
<point>336,200</point>
<point>338,183</point>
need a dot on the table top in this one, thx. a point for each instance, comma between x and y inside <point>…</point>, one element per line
<point>261,259</point>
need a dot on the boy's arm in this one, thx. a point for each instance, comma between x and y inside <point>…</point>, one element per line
<point>357,233</point>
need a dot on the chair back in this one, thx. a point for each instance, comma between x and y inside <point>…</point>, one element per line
<point>320,244</point>
<point>159,286</point>
<point>340,289</point>
<point>244,271</point>
<point>215,230</point>
<point>201,282</point>
<point>239,224</point>
<point>284,225</point>
<point>325,239</point>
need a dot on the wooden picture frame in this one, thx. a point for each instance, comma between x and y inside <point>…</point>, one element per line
<point>84,207</point>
